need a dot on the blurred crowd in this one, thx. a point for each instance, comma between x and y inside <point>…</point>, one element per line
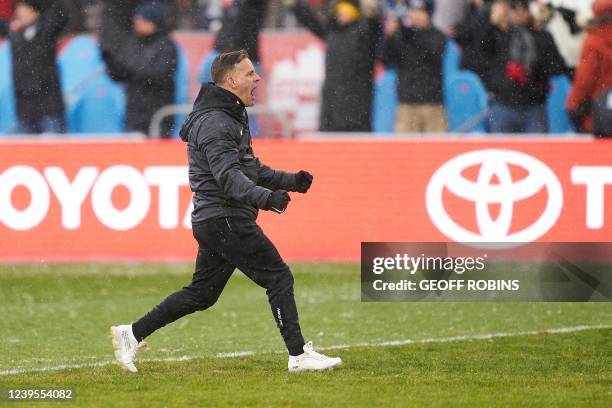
<point>513,46</point>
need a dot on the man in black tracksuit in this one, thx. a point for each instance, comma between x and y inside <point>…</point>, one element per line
<point>230,185</point>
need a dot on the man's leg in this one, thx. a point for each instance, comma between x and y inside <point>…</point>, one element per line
<point>536,119</point>
<point>211,274</point>
<point>406,119</point>
<point>244,244</point>
<point>435,119</point>
<point>503,119</point>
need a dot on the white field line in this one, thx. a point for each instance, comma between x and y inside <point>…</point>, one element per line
<point>433,340</point>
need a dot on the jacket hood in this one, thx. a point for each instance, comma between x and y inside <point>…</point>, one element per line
<point>212,97</point>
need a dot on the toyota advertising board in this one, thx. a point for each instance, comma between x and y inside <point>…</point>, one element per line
<point>131,200</point>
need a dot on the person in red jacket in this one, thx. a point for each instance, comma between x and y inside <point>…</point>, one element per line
<point>594,72</point>
<point>6,9</point>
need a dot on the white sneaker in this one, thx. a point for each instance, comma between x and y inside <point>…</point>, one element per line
<point>125,345</point>
<point>310,360</point>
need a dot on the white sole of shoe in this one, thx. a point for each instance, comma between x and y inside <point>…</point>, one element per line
<point>115,340</point>
<point>302,370</point>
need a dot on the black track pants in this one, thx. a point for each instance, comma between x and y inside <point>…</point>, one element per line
<point>226,244</point>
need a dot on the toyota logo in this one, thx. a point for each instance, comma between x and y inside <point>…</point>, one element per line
<point>494,165</point>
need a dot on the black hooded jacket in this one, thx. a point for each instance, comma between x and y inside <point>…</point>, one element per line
<point>224,174</point>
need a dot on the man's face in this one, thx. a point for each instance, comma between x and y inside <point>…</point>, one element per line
<point>143,27</point>
<point>419,18</point>
<point>25,14</point>
<point>519,16</point>
<point>344,18</point>
<point>243,80</point>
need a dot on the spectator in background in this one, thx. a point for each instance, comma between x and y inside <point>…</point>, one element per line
<point>34,30</point>
<point>468,34</point>
<point>241,23</point>
<point>560,20</point>
<point>351,35</point>
<point>593,80</point>
<point>144,58</point>
<point>416,48</point>
<point>521,60</point>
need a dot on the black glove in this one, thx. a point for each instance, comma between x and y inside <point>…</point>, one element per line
<point>278,201</point>
<point>303,181</point>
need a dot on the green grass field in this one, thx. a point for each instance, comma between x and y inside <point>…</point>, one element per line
<point>59,315</point>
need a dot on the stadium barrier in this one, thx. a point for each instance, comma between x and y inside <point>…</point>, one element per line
<point>130,200</point>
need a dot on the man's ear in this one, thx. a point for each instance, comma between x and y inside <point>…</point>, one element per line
<point>230,81</point>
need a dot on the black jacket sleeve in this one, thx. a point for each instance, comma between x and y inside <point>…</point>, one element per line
<point>222,153</point>
<point>389,53</point>
<point>275,179</point>
<point>116,23</point>
<point>155,67</point>
<point>490,39</point>
<point>306,16</point>
<point>53,20</point>
<point>240,28</point>
<point>552,59</point>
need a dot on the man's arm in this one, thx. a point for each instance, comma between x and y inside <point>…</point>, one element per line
<point>221,150</point>
<point>275,179</point>
<point>53,20</point>
<point>580,97</point>
<point>156,68</point>
<point>389,51</point>
<point>307,17</point>
<point>553,61</point>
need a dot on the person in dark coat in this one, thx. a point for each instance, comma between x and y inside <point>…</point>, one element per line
<point>145,59</point>
<point>34,31</point>
<point>467,35</point>
<point>522,59</point>
<point>416,48</point>
<point>241,23</point>
<point>352,36</point>
<point>230,186</point>
<point>594,72</point>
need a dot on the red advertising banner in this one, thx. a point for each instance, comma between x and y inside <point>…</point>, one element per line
<point>130,200</point>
